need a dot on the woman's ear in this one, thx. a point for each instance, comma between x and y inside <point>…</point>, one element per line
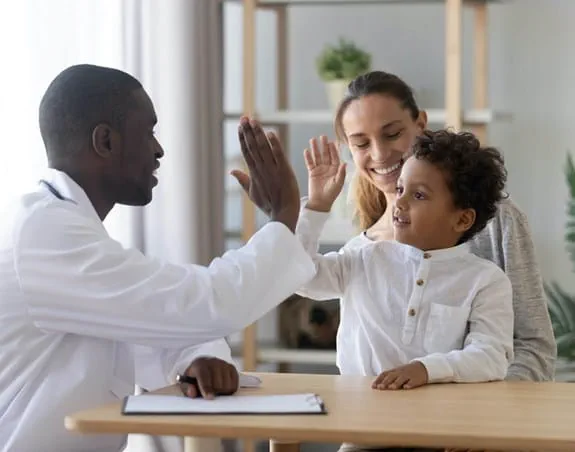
<point>421,121</point>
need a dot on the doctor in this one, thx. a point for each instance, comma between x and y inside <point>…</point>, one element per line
<point>81,318</point>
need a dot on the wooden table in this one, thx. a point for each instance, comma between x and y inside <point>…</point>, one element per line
<point>501,416</point>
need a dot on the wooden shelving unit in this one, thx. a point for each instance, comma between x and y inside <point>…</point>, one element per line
<point>477,118</point>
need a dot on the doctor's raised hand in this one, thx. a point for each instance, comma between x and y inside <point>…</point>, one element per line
<point>326,174</point>
<point>271,183</point>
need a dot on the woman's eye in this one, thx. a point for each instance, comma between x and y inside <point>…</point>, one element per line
<point>399,190</point>
<point>419,195</point>
<point>394,136</point>
<point>361,145</point>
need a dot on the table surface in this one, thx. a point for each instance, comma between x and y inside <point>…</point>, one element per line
<point>500,415</point>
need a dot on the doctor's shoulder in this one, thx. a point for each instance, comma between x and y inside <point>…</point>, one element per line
<point>36,217</point>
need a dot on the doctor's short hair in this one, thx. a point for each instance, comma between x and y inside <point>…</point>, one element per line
<point>475,175</point>
<point>77,100</point>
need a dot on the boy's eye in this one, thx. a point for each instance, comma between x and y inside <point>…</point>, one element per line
<point>419,195</point>
<point>399,190</point>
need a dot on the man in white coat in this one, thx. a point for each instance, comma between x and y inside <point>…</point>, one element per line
<point>82,320</point>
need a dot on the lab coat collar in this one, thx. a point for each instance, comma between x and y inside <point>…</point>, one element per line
<point>71,191</point>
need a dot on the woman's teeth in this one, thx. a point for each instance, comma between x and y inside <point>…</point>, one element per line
<point>390,169</point>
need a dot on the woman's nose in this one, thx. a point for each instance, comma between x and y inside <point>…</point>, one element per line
<point>380,152</point>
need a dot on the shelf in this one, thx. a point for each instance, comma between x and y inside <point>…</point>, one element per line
<point>356,2</point>
<point>434,116</point>
<point>279,354</point>
<point>336,232</point>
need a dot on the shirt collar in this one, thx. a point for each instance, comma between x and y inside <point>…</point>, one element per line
<point>439,255</point>
<point>71,191</point>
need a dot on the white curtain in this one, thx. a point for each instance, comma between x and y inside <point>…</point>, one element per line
<point>174,48</point>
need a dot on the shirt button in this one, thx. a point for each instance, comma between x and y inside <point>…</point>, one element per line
<point>419,282</point>
<point>426,255</point>
<point>411,312</point>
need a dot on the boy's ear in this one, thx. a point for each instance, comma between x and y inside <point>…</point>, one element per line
<point>465,220</point>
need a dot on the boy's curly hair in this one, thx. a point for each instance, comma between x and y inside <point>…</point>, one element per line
<point>475,175</point>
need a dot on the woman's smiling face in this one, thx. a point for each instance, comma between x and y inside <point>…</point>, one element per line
<point>380,134</point>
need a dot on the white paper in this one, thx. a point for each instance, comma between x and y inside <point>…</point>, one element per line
<point>237,404</point>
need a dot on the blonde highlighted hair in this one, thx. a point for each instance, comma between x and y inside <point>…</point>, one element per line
<point>369,201</point>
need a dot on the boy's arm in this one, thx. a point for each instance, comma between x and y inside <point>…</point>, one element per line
<point>332,269</point>
<point>488,347</point>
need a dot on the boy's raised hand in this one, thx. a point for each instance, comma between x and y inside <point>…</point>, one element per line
<point>326,174</point>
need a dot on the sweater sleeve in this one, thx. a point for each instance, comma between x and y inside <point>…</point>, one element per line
<point>507,241</point>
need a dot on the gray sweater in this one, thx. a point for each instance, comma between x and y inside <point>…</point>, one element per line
<point>507,241</point>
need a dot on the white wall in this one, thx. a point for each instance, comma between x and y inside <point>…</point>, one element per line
<point>531,72</point>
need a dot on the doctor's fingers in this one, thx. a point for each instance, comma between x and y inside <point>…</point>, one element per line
<point>229,381</point>
<point>205,381</point>
<point>260,172</point>
<point>257,144</point>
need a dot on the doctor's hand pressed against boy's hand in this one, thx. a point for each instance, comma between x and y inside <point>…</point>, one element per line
<point>410,376</point>
<point>271,184</point>
<point>326,174</point>
<point>214,376</point>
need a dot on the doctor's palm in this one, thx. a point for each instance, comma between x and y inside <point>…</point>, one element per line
<point>326,174</point>
<point>271,183</point>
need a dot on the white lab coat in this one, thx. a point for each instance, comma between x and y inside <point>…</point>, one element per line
<point>82,319</point>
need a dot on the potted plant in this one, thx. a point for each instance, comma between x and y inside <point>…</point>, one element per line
<point>561,304</point>
<point>339,64</point>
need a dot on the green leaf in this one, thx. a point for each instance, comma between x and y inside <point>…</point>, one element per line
<point>344,61</point>
<point>566,345</point>
<point>559,309</point>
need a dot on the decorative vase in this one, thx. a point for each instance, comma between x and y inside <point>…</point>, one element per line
<point>336,90</point>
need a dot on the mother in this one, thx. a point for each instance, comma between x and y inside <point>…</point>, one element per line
<point>379,121</point>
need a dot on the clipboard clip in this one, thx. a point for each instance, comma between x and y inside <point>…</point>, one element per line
<point>315,400</point>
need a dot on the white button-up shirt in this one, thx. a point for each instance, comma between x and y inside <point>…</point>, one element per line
<point>82,320</point>
<point>448,308</point>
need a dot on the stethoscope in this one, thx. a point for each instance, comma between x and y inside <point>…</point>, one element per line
<point>54,191</point>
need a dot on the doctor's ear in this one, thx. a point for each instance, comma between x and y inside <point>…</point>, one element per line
<point>104,140</point>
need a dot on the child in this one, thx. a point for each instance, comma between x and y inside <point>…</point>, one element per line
<point>422,308</point>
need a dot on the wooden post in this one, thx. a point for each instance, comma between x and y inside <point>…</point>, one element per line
<point>249,343</point>
<point>282,102</point>
<point>249,351</point>
<point>480,66</point>
<point>453,10</point>
<point>280,446</point>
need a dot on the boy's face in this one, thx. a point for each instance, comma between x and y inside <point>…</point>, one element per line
<point>424,215</point>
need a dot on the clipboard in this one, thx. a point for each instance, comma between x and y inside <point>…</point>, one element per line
<point>286,404</point>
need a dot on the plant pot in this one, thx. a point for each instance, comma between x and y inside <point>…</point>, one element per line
<point>335,90</point>
<point>565,370</point>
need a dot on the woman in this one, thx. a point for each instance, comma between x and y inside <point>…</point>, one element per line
<point>379,121</point>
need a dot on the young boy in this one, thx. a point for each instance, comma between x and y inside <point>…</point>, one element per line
<point>422,308</point>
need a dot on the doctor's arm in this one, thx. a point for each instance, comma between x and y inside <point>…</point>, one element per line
<point>76,279</point>
<point>488,347</point>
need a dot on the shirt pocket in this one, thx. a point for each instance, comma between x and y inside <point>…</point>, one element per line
<point>446,328</point>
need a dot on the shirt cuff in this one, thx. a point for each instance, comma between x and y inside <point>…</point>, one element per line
<point>438,368</point>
